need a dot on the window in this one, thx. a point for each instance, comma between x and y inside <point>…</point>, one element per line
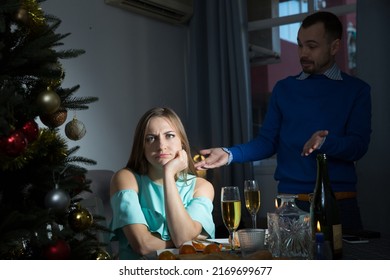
<point>288,32</point>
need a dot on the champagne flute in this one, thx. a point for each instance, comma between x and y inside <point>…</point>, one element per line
<point>252,199</point>
<point>231,211</point>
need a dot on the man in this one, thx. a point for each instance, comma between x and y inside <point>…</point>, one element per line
<point>321,110</point>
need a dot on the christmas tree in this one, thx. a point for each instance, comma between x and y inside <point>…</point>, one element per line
<point>41,178</point>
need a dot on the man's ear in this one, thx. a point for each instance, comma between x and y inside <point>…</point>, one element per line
<point>335,46</point>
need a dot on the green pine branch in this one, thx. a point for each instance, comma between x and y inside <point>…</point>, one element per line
<point>78,103</point>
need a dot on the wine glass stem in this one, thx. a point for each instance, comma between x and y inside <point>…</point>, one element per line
<point>254,221</point>
<point>232,243</point>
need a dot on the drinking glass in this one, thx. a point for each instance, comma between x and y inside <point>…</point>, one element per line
<point>252,199</point>
<point>231,211</point>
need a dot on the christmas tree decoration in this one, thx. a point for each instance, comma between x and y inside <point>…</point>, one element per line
<point>80,219</point>
<point>56,74</point>
<point>101,254</point>
<point>59,250</point>
<point>21,249</point>
<point>48,101</point>
<point>75,129</point>
<point>22,15</point>
<point>56,119</point>
<point>31,131</point>
<point>30,13</point>
<point>35,220</point>
<point>13,145</point>
<point>57,199</point>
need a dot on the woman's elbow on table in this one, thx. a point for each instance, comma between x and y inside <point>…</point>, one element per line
<point>145,246</point>
<point>140,239</point>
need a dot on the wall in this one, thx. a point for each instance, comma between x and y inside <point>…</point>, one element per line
<point>373,41</point>
<point>132,63</point>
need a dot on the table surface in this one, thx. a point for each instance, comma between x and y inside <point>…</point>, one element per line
<point>375,249</point>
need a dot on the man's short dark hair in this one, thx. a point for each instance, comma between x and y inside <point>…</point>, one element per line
<point>332,24</point>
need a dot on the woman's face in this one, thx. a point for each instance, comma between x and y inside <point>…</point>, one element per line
<point>162,142</point>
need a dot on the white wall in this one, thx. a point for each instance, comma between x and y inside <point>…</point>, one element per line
<point>132,63</point>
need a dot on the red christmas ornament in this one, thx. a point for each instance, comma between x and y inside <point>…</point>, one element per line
<point>60,250</point>
<point>14,144</point>
<point>31,131</point>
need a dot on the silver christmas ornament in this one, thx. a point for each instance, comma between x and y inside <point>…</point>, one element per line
<point>57,199</point>
<point>75,129</point>
<point>48,101</point>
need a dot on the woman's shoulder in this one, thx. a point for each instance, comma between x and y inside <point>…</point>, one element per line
<point>203,188</point>
<point>201,181</point>
<point>123,179</point>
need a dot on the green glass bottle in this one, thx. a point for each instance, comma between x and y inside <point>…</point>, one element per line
<point>324,211</point>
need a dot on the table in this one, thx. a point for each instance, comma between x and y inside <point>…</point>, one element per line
<point>375,249</point>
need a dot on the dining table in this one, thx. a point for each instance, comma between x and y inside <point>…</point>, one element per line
<point>375,249</point>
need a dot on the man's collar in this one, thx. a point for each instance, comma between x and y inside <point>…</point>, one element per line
<point>332,73</point>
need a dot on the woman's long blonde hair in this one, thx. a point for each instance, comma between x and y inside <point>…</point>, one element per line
<point>137,161</point>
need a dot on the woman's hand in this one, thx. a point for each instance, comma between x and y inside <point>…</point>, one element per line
<point>177,164</point>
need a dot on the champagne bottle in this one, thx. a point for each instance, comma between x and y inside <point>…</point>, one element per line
<point>324,212</point>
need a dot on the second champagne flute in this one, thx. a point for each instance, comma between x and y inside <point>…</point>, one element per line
<point>252,199</point>
<point>231,211</point>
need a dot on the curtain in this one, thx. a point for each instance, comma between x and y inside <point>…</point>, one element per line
<point>219,99</point>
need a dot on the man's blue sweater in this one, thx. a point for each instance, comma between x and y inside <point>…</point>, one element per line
<point>297,109</point>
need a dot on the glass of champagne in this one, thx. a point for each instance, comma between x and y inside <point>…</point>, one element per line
<point>252,199</point>
<point>231,211</point>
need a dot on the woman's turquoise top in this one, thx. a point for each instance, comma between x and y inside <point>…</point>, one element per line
<point>147,207</point>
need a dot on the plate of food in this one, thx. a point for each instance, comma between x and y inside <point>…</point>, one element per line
<point>208,246</point>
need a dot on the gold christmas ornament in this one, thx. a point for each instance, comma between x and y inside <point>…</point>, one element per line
<point>101,254</point>
<point>75,129</point>
<point>80,219</point>
<point>48,101</point>
<point>31,14</point>
<point>56,119</point>
<point>22,15</point>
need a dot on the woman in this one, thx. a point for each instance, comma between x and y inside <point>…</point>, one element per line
<point>157,200</point>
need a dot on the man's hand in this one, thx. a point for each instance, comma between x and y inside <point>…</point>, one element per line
<point>214,157</point>
<point>315,141</point>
